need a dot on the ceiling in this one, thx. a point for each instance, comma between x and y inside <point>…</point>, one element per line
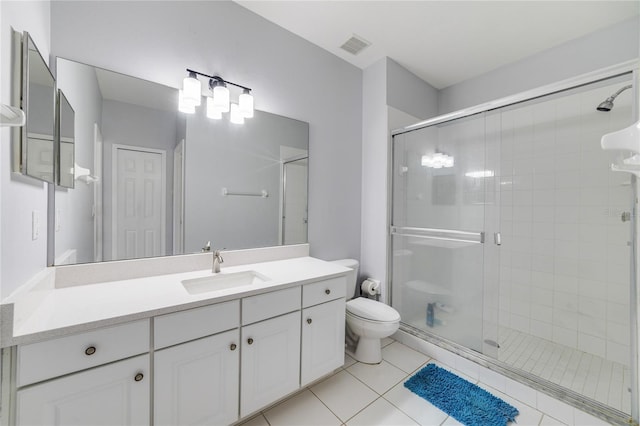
<point>443,42</point>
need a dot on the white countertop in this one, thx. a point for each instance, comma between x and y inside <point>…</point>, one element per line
<point>79,308</point>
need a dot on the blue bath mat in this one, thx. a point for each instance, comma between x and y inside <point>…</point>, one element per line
<point>459,398</point>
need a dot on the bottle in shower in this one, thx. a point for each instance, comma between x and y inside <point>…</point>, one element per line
<point>430,314</point>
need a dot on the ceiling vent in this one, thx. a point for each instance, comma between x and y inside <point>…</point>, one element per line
<point>355,44</point>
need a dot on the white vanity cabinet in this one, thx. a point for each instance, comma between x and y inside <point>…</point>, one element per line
<point>212,364</point>
<point>323,328</point>
<point>114,394</point>
<point>197,382</point>
<point>100,366</point>
<point>270,366</point>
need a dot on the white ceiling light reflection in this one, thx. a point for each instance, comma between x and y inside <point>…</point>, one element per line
<point>480,174</point>
<point>437,160</point>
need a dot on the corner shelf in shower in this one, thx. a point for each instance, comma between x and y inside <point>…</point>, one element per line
<point>627,139</point>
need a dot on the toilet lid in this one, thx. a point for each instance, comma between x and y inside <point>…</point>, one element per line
<point>372,310</point>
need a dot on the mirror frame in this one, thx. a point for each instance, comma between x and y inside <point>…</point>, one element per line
<point>21,77</point>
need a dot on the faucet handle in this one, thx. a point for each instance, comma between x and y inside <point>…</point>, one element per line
<point>218,255</point>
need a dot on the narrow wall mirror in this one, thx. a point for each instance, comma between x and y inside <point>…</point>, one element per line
<point>34,145</point>
<point>168,182</point>
<point>66,132</point>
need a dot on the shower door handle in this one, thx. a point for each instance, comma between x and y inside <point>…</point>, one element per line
<point>497,239</point>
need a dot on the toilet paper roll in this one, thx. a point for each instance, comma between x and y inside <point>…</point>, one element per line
<point>370,287</point>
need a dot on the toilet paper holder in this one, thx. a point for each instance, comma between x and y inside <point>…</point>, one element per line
<point>370,287</point>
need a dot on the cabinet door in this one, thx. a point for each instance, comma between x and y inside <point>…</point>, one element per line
<point>196,383</point>
<point>322,339</point>
<point>115,394</point>
<point>270,361</point>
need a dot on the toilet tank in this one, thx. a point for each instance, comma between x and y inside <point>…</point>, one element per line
<point>352,277</point>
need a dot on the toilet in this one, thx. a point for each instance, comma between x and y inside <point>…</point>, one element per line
<point>368,321</point>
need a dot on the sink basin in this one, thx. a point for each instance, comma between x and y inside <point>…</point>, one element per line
<point>223,281</point>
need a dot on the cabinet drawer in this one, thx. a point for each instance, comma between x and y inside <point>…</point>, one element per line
<point>268,305</point>
<point>192,324</point>
<point>323,291</point>
<point>52,358</point>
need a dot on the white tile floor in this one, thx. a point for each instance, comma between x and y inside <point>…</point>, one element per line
<point>590,375</point>
<point>361,394</point>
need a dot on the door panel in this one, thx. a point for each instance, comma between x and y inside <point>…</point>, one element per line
<point>322,339</point>
<point>270,361</point>
<point>105,396</point>
<point>140,203</point>
<point>196,383</point>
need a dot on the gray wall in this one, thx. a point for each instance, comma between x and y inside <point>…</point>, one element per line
<point>20,256</point>
<point>387,88</point>
<point>135,125</point>
<point>374,176</point>
<point>244,158</point>
<point>289,76</point>
<point>408,93</point>
<point>74,206</point>
<point>600,49</point>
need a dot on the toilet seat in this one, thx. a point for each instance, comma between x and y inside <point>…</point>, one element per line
<point>370,310</point>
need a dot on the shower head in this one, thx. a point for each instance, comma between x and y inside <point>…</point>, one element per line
<point>607,105</point>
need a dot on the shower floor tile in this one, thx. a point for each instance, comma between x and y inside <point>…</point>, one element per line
<point>590,375</point>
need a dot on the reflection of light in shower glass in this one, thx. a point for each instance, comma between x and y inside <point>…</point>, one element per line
<point>437,160</point>
<point>480,174</point>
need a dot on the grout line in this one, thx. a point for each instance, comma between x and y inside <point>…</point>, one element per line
<point>330,410</point>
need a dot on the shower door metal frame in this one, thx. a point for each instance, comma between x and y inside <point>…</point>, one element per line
<point>579,401</point>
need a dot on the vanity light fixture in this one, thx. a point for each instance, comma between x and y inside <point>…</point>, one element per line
<point>184,105</point>
<point>191,90</point>
<point>212,111</point>
<point>236,117</point>
<point>245,104</point>
<point>220,95</point>
<point>219,102</point>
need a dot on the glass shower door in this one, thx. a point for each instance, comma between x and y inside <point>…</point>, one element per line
<point>438,222</point>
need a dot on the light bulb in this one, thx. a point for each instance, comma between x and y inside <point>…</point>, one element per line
<point>212,111</point>
<point>221,97</point>
<point>245,104</point>
<point>235,116</point>
<point>192,89</point>
<point>184,105</point>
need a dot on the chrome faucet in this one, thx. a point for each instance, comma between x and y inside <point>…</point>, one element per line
<point>217,260</point>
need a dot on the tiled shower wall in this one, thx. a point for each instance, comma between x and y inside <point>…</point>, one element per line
<point>565,257</point>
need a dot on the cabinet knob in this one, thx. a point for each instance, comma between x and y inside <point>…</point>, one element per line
<point>327,291</point>
<point>90,350</point>
<point>233,347</point>
<point>138,377</point>
<point>250,341</point>
<point>309,321</point>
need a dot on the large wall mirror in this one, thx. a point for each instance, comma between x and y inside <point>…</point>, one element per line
<point>163,182</point>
